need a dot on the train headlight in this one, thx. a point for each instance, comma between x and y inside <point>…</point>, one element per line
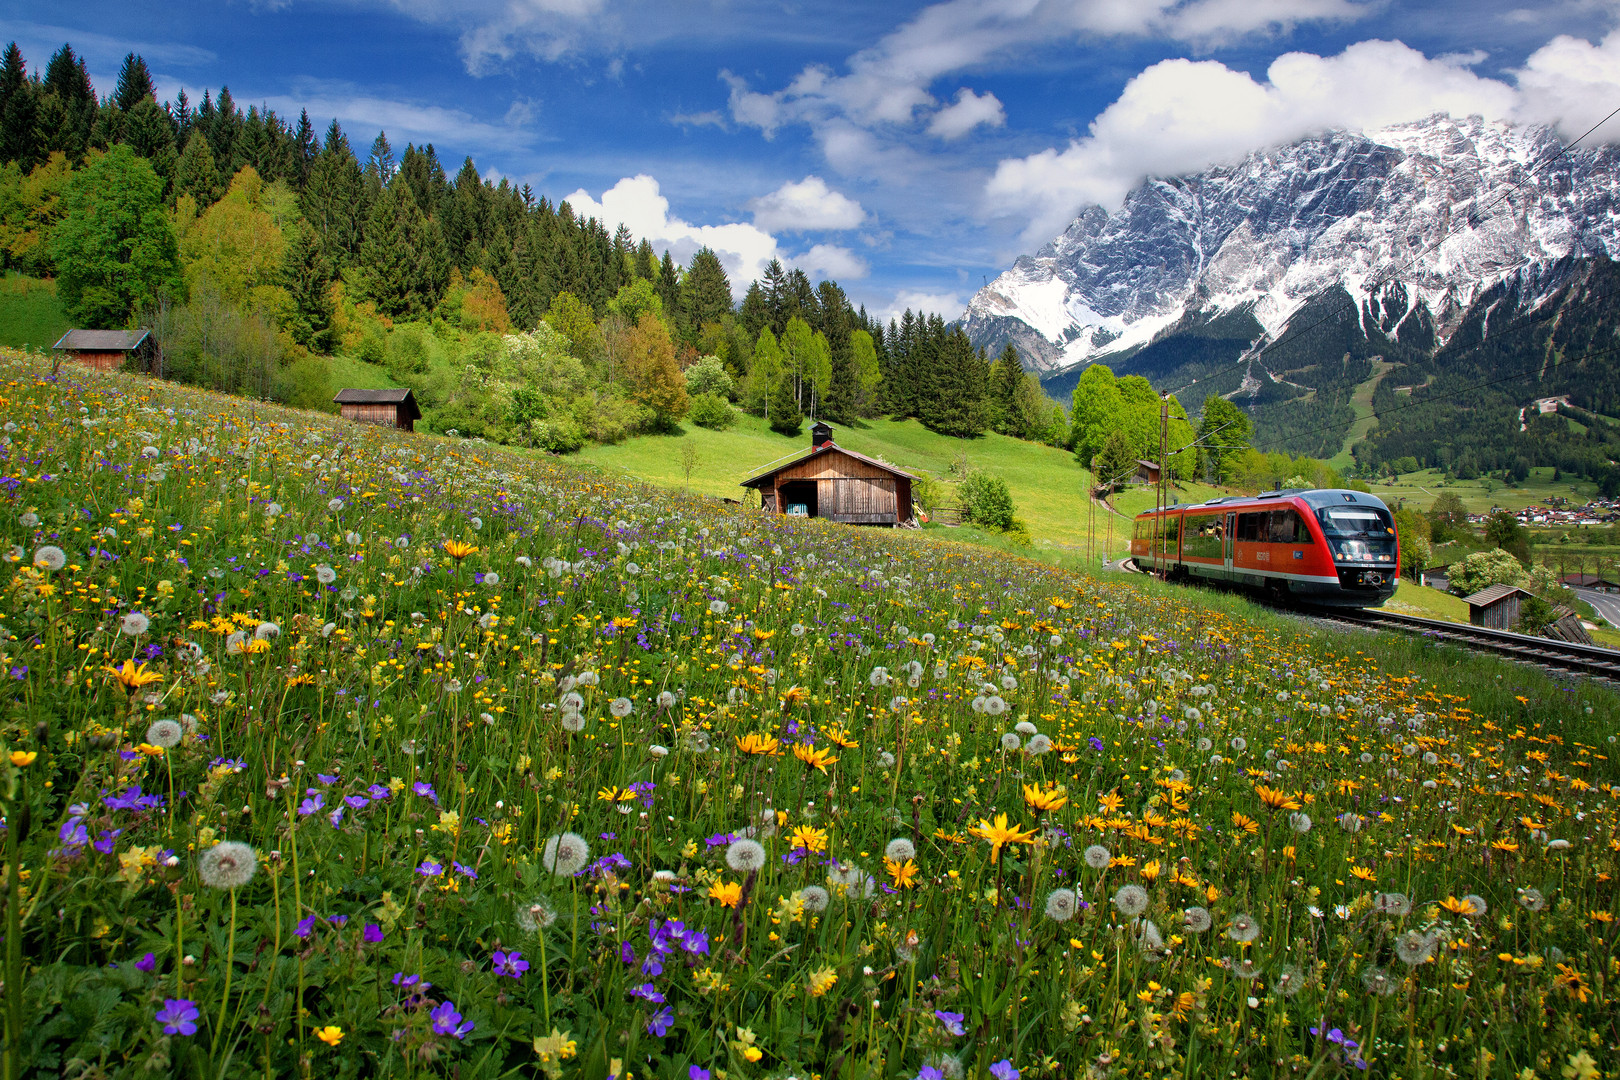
<point>1351,550</point>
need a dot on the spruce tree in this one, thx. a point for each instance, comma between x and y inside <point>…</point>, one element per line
<point>20,139</point>
<point>332,200</point>
<point>149,131</point>
<point>307,277</point>
<point>755,314</point>
<point>706,292</point>
<point>195,174</point>
<point>1005,377</point>
<point>308,147</point>
<point>134,83</point>
<point>785,417</point>
<point>68,107</point>
<point>669,291</point>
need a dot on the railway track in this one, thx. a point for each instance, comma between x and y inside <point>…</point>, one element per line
<point>1582,659</point>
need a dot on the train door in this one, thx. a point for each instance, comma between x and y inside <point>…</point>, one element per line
<point>1229,543</point>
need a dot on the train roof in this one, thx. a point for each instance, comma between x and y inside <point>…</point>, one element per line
<point>1312,497</point>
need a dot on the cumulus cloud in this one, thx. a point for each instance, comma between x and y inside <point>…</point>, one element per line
<point>1180,116</point>
<point>496,30</point>
<point>1573,84</point>
<point>968,112</point>
<point>946,304</point>
<point>832,261</point>
<point>804,206</point>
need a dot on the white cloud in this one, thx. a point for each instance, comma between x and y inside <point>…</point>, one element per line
<point>1180,116</point>
<point>804,206</point>
<point>493,31</point>
<point>637,203</point>
<point>832,261</point>
<point>1573,84</point>
<point>946,304</point>
<point>969,111</point>
<point>363,115</point>
<point>889,84</point>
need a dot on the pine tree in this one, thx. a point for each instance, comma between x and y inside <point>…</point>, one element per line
<point>954,401</point>
<point>149,131</point>
<point>194,173</point>
<point>755,314</point>
<point>134,83</point>
<point>669,291</point>
<point>380,164</point>
<point>785,417</point>
<point>68,108</point>
<point>307,277</point>
<point>393,255</point>
<point>224,132</point>
<point>1116,461</point>
<point>308,147</point>
<point>776,296</point>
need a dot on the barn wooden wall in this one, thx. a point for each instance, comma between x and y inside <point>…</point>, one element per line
<point>101,361</point>
<point>848,489</point>
<point>385,414</point>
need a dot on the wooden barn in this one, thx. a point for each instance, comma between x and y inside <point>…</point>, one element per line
<point>104,350</point>
<point>828,481</point>
<point>1496,607</point>
<point>390,408</point>
<point>1147,472</point>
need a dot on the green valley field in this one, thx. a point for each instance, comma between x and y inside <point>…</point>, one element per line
<point>327,749</point>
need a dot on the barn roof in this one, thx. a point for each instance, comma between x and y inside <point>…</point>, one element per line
<point>395,396</point>
<point>1493,594</point>
<point>101,340</point>
<point>759,477</point>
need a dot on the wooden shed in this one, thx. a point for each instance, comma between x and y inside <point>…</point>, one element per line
<point>1147,472</point>
<point>1496,607</point>
<point>829,481</point>
<point>390,408</point>
<point>104,350</point>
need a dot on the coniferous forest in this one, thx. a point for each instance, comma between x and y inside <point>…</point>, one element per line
<point>256,247</point>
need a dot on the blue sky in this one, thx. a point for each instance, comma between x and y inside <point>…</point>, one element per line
<point>909,150</point>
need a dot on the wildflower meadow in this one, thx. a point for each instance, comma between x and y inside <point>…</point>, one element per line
<point>331,750</point>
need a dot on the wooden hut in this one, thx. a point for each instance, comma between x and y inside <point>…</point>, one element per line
<point>1147,472</point>
<point>829,481</point>
<point>104,350</point>
<point>390,408</point>
<point>1496,607</point>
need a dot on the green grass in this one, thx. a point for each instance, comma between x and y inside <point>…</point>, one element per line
<point>1047,486</point>
<point>1427,603</point>
<point>1480,496</point>
<point>347,371</point>
<point>30,315</point>
<point>1361,401</point>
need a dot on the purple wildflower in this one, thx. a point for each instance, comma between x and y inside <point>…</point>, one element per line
<point>1003,1070</point>
<point>661,1021</point>
<point>446,1021</point>
<point>952,1022</point>
<point>178,1016</point>
<point>510,964</point>
<point>372,934</point>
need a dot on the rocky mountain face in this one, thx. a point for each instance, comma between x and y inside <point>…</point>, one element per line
<point>1396,234</point>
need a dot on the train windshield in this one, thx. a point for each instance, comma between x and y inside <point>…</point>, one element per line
<point>1355,523</point>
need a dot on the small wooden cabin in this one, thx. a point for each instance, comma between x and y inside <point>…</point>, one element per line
<point>104,350</point>
<point>1147,472</point>
<point>1496,607</point>
<point>390,408</point>
<point>828,481</point>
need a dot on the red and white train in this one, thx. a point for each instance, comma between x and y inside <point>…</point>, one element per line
<point>1324,546</point>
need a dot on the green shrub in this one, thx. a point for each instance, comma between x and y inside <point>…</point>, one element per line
<point>1485,568</point>
<point>986,500</point>
<point>562,435</point>
<point>709,376</point>
<point>407,352</point>
<point>711,411</point>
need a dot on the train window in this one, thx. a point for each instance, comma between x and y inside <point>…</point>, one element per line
<point>1287,527</point>
<point>1170,530</point>
<point>1204,536</point>
<point>1253,527</point>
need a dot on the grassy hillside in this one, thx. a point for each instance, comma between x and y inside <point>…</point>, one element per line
<point>1048,487</point>
<point>1479,496</point>
<point>30,316</point>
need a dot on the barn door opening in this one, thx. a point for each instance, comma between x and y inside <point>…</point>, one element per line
<point>797,494</point>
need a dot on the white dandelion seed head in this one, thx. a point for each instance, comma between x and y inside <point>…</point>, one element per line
<point>134,624</point>
<point>273,510</point>
<point>1239,743</point>
<point>814,898</point>
<point>1009,682</point>
<point>1040,744</point>
<point>1197,919</point>
<point>29,519</point>
<point>572,720</point>
<point>621,707</point>
<point>658,751</point>
<point>1097,857</point>
<point>994,705</point>
<point>900,849</point>
<point>1062,905</point>
<point>885,760</point>
<point>266,631</point>
<point>536,915</point>
<point>1414,947</point>
<point>1131,900</point>
<point>1533,900</point>
<point>1148,937</point>
<point>334,505</point>
<point>1350,823</point>
<point>1378,981</point>
<point>488,621</point>
<point>1011,741</point>
<point>1024,727</point>
<point>745,856</point>
<point>571,701</point>
<point>1476,905</point>
<point>1243,927</point>
<point>1288,982</point>
<point>879,677</point>
<point>50,557</point>
<point>718,607</point>
<point>234,642</point>
<point>227,865</point>
<point>588,678</point>
<point>566,854</point>
<point>325,574</point>
<point>666,699</point>
<point>1299,821</point>
<point>165,733</point>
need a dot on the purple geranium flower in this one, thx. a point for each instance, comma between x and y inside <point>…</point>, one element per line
<point>1003,1070</point>
<point>446,1021</point>
<point>952,1022</point>
<point>146,963</point>
<point>372,934</point>
<point>510,964</point>
<point>178,1016</point>
<point>930,1073</point>
<point>661,1021</point>
<point>429,868</point>
<point>304,927</point>
<point>695,1073</point>
<point>647,992</point>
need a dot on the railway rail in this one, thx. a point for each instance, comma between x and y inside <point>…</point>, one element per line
<point>1582,659</point>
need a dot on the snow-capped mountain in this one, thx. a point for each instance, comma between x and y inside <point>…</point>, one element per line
<point>1433,213</point>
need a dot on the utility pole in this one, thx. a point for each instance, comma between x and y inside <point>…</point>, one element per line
<point>1091,515</point>
<point>1164,452</point>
